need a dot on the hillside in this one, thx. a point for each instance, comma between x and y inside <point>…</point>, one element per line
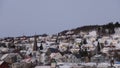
<point>103,29</point>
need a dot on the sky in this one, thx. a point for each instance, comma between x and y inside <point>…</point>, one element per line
<point>27,17</point>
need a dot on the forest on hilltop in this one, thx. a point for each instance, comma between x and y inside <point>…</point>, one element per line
<point>103,29</point>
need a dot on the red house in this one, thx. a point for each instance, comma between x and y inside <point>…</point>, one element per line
<point>4,64</point>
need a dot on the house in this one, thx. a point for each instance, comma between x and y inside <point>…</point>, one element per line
<point>99,58</point>
<point>63,47</point>
<point>70,58</point>
<point>93,33</point>
<point>117,31</point>
<point>4,64</point>
<point>4,50</point>
<point>56,56</point>
<point>44,58</point>
<point>11,57</point>
<point>21,65</point>
<point>42,67</point>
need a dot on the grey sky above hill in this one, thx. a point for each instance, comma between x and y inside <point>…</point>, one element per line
<point>18,17</point>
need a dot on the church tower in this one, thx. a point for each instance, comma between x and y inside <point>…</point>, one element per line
<point>35,43</point>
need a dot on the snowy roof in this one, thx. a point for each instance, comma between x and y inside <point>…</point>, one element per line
<point>117,46</point>
<point>115,36</point>
<point>56,55</point>
<point>89,64</point>
<point>92,33</point>
<point>65,66</point>
<point>97,55</point>
<point>4,56</point>
<point>105,50</point>
<point>105,65</point>
<point>78,40</point>
<point>64,44</point>
<point>4,49</point>
<point>42,67</point>
<point>29,60</point>
<point>1,62</point>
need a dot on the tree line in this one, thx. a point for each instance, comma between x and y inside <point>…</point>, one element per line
<point>103,29</point>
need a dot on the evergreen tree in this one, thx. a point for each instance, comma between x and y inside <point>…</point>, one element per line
<point>84,41</point>
<point>85,53</point>
<point>99,31</point>
<point>81,53</point>
<point>41,47</point>
<point>117,24</point>
<point>98,48</point>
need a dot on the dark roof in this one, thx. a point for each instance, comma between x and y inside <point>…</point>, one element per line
<point>66,52</point>
<point>78,55</point>
<point>53,50</point>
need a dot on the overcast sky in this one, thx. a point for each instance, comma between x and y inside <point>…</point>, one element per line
<point>18,17</point>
